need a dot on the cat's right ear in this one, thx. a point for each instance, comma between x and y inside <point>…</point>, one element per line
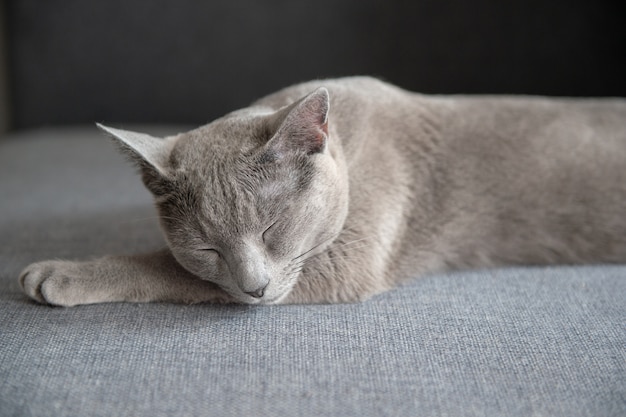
<point>302,126</point>
<point>148,152</point>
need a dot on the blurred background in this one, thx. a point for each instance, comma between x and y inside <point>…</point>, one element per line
<point>189,61</point>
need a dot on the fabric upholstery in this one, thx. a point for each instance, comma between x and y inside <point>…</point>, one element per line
<point>508,342</point>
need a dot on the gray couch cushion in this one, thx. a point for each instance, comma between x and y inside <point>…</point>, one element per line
<point>519,342</point>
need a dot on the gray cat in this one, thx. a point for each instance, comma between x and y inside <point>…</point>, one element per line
<point>333,191</point>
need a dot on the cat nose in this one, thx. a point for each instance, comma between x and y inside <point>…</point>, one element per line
<point>258,293</point>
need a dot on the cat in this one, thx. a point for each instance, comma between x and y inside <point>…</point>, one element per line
<point>336,190</point>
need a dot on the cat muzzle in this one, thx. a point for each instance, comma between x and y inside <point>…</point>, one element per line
<point>258,293</point>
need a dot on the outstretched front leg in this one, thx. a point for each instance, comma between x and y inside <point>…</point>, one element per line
<point>140,278</point>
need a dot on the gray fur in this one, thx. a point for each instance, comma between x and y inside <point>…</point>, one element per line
<point>335,190</point>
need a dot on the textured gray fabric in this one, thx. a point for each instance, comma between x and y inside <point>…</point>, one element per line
<point>516,342</point>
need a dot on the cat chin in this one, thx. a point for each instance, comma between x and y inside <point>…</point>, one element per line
<point>245,299</point>
<point>274,300</point>
<point>242,299</point>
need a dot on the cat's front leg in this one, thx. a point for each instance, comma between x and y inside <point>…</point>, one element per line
<point>139,278</point>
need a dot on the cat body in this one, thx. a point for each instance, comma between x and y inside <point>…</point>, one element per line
<point>336,190</point>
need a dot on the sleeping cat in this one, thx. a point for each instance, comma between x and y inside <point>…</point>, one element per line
<point>333,191</point>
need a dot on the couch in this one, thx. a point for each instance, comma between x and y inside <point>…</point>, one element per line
<point>524,341</point>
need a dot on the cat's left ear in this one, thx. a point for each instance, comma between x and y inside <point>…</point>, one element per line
<point>149,152</point>
<point>305,126</point>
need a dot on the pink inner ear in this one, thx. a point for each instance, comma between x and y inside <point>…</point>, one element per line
<point>317,140</point>
<point>313,113</point>
<point>321,136</point>
<point>324,127</point>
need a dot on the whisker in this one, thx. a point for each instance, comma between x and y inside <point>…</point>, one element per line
<point>339,252</point>
<point>355,241</point>
<point>295,268</point>
<point>168,218</point>
<point>295,272</point>
<point>143,219</point>
<point>342,256</point>
<point>138,219</point>
<point>156,216</point>
<point>299,265</point>
<point>314,247</point>
<point>351,248</point>
<point>345,259</point>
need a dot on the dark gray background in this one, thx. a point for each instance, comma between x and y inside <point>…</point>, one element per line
<point>185,61</point>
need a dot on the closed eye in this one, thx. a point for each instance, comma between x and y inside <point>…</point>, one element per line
<point>264,235</point>
<point>209,250</point>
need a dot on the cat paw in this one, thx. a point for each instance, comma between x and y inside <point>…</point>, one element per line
<point>51,282</point>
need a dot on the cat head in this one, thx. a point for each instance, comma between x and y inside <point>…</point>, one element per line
<point>245,200</point>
